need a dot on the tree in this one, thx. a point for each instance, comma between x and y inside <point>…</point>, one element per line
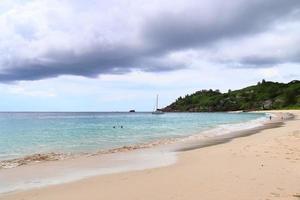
<point>290,97</point>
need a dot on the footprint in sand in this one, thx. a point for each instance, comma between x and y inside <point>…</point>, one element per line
<point>297,196</point>
<point>275,194</point>
<point>296,134</point>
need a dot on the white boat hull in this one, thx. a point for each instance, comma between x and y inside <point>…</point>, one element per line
<point>158,112</point>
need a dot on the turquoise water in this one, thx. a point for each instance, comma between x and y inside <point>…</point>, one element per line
<point>28,133</point>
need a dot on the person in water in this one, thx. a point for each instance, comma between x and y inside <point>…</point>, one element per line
<point>270,117</point>
<point>115,126</point>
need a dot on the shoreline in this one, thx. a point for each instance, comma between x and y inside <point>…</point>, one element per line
<point>223,139</point>
<point>58,156</point>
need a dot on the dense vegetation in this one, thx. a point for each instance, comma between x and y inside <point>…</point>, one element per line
<point>263,96</point>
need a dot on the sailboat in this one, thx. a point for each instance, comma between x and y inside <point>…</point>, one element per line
<point>157,111</point>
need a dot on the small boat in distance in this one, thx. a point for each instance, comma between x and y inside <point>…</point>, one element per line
<point>156,110</point>
<point>131,110</point>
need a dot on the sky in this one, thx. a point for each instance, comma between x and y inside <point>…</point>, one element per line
<point>97,55</point>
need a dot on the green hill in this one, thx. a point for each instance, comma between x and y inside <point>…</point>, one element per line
<point>263,96</point>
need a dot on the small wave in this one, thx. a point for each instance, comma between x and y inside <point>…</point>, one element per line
<point>133,147</point>
<point>43,157</point>
<point>227,129</point>
<point>6,164</point>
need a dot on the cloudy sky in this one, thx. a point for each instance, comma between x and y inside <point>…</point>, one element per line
<point>97,55</point>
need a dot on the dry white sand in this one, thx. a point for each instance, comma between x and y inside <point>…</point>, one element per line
<point>262,166</point>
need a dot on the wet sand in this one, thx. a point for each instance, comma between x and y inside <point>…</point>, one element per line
<point>265,165</point>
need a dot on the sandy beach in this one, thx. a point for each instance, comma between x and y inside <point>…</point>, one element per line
<point>265,165</point>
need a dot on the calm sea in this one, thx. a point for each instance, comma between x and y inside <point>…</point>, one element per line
<point>24,134</point>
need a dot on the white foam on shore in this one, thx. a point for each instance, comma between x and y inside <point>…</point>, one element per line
<point>228,129</point>
<point>52,173</point>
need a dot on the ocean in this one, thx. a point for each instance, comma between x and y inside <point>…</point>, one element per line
<point>24,134</point>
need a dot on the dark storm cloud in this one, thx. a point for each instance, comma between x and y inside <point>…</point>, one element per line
<point>159,35</point>
<point>256,61</point>
<point>190,29</point>
<point>98,60</point>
